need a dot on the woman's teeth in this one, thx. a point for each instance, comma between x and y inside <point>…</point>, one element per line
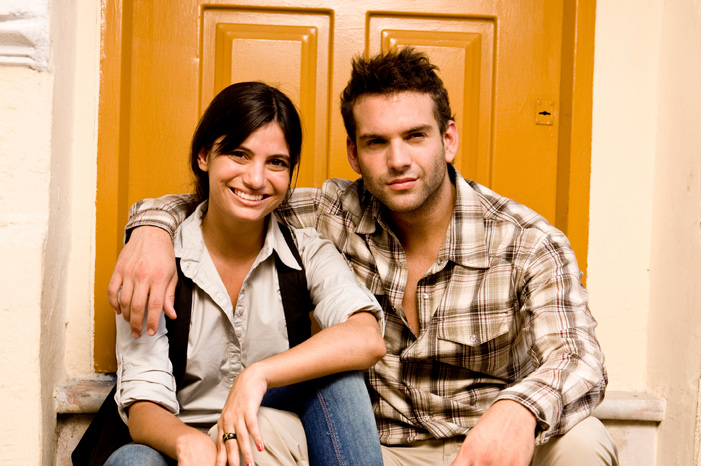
<point>248,197</point>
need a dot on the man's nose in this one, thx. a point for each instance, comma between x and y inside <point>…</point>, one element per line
<point>398,157</point>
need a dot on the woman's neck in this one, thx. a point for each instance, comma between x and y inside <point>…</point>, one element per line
<point>230,240</point>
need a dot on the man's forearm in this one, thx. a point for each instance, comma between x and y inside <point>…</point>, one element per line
<point>166,212</point>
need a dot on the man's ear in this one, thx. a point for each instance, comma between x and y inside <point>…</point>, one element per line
<point>352,151</point>
<point>202,159</point>
<point>450,141</point>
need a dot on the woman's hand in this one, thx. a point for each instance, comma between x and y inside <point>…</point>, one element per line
<point>240,416</point>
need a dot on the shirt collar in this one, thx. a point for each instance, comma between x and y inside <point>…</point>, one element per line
<point>189,243</point>
<point>465,244</point>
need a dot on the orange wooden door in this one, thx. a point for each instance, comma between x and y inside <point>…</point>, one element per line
<point>514,70</point>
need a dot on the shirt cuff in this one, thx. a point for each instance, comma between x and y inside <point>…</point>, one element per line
<point>154,386</point>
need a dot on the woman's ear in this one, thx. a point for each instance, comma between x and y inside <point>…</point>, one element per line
<point>202,159</point>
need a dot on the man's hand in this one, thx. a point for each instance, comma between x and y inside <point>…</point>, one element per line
<point>145,274</point>
<point>504,435</point>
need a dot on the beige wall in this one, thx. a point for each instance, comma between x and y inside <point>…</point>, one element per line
<point>623,152</point>
<point>645,236</point>
<point>47,194</point>
<point>674,325</point>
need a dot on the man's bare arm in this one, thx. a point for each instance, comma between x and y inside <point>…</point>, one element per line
<point>144,279</point>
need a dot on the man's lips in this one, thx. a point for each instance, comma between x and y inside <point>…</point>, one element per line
<point>402,183</point>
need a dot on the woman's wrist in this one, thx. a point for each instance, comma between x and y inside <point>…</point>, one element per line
<point>257,374</point>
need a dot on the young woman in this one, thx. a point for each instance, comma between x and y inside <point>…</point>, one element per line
<point>239,343</point>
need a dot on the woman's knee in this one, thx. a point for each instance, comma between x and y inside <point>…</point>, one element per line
<point>134,454</point>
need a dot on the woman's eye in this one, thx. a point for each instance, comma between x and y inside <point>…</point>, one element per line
<point>280,163</point>
<point>238,155</point>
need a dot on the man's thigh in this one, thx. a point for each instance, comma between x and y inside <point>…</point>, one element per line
<point>587,444</point>
<point>433,452</point>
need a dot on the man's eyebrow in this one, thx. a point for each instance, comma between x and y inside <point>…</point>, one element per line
<point>415,129</point>
<point>365,137</point>
<point>418,129</point>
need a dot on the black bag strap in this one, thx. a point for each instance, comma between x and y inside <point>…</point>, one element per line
<point>295,294</point>
<point>179,329</point>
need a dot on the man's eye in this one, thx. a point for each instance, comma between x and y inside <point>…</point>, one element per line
<point>417,136</point>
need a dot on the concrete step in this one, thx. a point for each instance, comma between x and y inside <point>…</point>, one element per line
<point>630,417</point>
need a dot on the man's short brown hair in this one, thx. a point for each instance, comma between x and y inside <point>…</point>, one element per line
<point>405,70</point>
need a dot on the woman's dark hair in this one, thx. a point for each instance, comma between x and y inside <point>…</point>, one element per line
<point>235,113</point>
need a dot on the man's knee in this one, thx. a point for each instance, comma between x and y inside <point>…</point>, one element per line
<point>587,443</point>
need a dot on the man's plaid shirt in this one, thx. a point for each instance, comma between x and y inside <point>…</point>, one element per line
<point>502,312</point>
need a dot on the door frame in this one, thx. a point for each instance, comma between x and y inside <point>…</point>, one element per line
<point>574,149</point>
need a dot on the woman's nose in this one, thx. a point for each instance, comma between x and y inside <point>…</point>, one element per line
<point>254,177</point>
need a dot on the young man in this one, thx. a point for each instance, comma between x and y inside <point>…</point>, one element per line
<point>491,352</point>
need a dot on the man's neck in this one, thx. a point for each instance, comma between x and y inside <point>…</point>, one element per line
<point>426,227</point>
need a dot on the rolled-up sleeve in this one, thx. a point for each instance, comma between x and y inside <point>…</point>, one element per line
<point>570,376</point>
<point>144,371</point>
<point>332,285</point>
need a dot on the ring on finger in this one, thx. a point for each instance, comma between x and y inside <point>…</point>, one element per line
<point>229,436</point>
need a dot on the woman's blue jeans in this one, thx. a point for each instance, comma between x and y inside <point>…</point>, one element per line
<point>336,414</point>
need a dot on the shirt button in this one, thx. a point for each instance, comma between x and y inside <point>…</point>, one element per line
<point>474,339</point>
<point>425,296</point>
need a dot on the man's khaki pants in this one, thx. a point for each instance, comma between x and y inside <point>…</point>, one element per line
<point>587,444</point>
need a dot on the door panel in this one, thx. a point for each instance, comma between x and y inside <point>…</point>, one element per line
<point>507,65</point>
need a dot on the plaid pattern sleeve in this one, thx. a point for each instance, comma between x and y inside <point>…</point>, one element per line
<point>166,212</point>
<point>502,314</point>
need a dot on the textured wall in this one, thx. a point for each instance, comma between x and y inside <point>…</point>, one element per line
<point>25,162</point>
<point>24,33</point>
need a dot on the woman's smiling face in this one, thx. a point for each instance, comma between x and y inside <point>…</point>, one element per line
<point>249,183</point>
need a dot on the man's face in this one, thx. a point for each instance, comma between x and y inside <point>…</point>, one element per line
<point>400,152</point>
